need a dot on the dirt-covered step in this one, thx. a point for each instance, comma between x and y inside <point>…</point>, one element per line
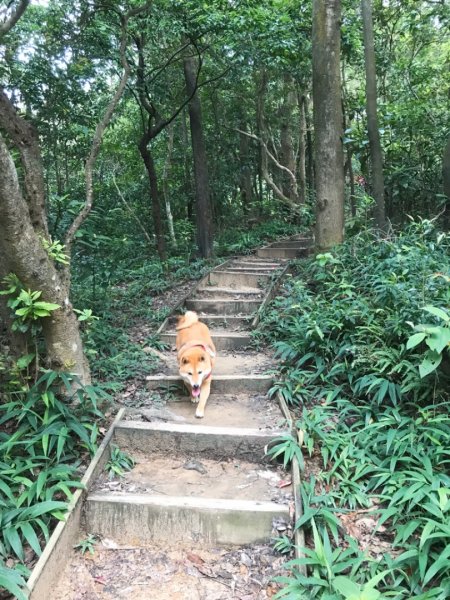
<point>299,243</point>
<point>230,367</point>
<point>171,571</point>
<point>223,339</point>
<point>238,280</point>
<point>243,409</point>
<point>187,497</point>
<point>228,293</point>
<point>227,322</point>
<point>286,253</point>
<point>226,305</point>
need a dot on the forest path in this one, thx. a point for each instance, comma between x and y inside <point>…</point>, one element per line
<point>193,519</point>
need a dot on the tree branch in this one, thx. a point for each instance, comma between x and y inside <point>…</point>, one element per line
<point>132,213</point>
<point>9,23</point>
<point>99,132</point>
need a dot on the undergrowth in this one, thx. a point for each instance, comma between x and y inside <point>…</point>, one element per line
<point>371,403</point>
<point>48,429</point>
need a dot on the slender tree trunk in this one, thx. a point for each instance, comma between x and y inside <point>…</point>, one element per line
<point>328,132</point>
<point>287,158</point>
<point>245,179</point>
<point>166,193</point>
<point>301,150</point>
<point>203,196</point>
<point>261,88</point>
<point>376,153</point>
<point>309,146</point>
<point>187,171</point>
<point>154,197</point>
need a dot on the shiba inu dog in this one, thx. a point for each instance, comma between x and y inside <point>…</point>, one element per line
<point>196,354</point>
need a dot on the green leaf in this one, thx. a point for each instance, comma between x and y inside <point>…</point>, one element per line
<point>47,306</point>
<point>346,586</point>
<point>31,537</point>
<point>415,340</point>
<point>12,537</point>
<point>429,364</point>
<point>437,312</point>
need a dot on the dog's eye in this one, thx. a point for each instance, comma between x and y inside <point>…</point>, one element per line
<point>200,372</point>
<point>190,373</point>
<point>184,361</point>
<point>202,358</point>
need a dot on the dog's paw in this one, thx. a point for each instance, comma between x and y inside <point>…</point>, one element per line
<point>199,414</point>
<point>195,400</point>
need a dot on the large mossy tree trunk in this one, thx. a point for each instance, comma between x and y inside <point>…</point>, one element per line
<point>27,258</point>
<point>204,217</point>
<point>328,129</point>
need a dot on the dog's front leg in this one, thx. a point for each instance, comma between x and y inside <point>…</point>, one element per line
<point>204,395</point>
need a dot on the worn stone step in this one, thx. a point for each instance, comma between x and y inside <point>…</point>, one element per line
<point>238,280</point>
<point>252,271</point>
<point>228,322</point>
<point>139,519</point>
<point>200,440</point>
<point>223,340</point>
<point>287,253</point>
<point>221,384</point>
<point>300,243</point>
<point>224,306</point>
<point>228,293</point>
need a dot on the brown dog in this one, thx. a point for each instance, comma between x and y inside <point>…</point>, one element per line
<point>196,354</point>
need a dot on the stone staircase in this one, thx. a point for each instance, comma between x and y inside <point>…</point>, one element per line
<point>202,484</point>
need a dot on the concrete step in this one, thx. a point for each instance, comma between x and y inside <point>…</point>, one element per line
<point>195,440</point>
<point>223,340</point>
<point>287,253</point>
<point>238,280</point>
<point>228,322</point>
<point>300,243</point>
<point>224,306</point>
<point>243,412</point>
<point>221,384</point>
<point>256,263</point>
<point>252,270</point>
<point>228,293</point>
<point>140,519</point>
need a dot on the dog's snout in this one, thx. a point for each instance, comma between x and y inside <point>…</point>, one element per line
<point>195,386</point>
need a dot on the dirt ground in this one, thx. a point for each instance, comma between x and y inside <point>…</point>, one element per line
<point>187,573</point>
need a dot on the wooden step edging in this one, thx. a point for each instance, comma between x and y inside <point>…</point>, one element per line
<point>221,384</point>
<point>53,559</point>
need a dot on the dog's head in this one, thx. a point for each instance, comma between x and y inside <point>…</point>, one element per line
<point>195,366</point>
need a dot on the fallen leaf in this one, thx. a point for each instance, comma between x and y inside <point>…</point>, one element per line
<point>194,558</point>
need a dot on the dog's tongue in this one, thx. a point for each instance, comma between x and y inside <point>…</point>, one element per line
<point>196,393</point>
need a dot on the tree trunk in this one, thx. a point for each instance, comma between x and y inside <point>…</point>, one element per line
<point>245,177</point>
<point>187,186</point>
<point>376,153</point>
<point>309,147</point>
<point>261,88</point>
<point>302,150</point>
<point>32,265</point>
<point>167,167</point>
<point>328,123</point>
<point>203,197</point>
<point>154,196</point>
<point>289,184</point>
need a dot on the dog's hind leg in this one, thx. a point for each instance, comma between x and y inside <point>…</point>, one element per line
<point>204,395</point>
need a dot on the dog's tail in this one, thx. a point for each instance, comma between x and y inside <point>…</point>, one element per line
<point>186,320</point>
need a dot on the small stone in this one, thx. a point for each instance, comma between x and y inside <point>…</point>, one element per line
<point>246,560</point>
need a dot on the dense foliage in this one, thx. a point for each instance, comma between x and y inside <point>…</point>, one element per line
<point>372,408</point>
